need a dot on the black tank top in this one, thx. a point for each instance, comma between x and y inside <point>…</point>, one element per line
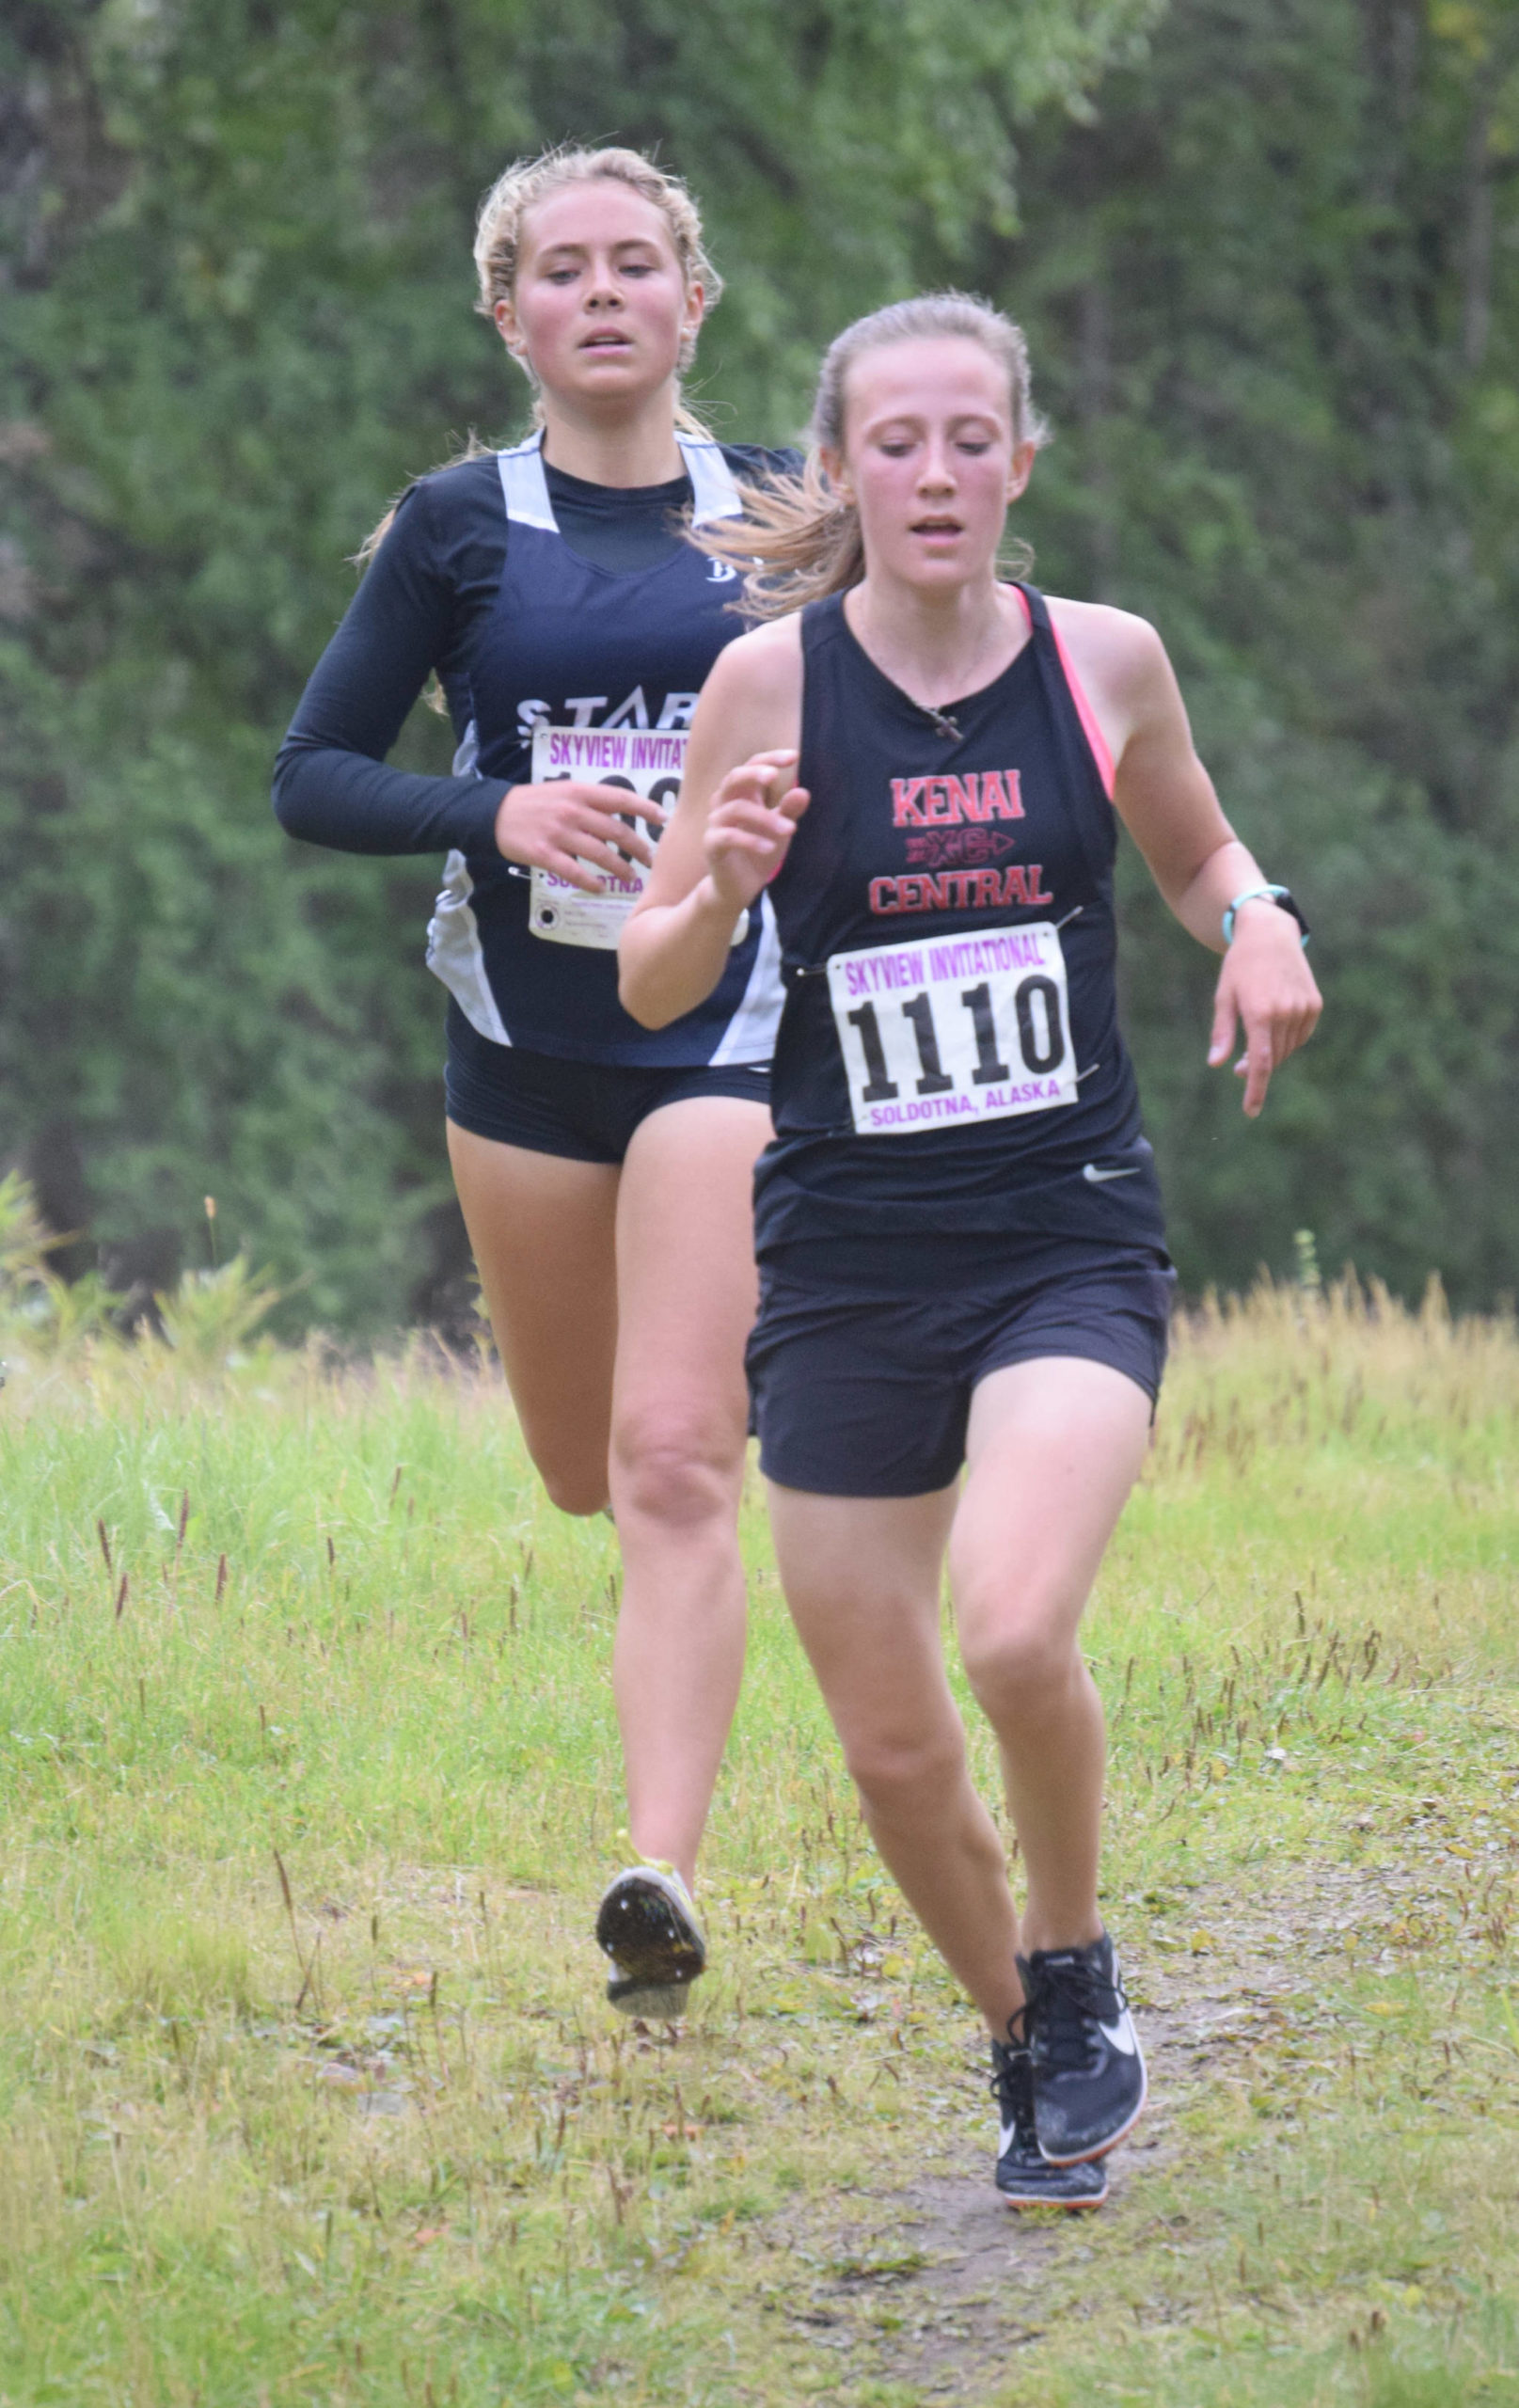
<point>949,1061</point>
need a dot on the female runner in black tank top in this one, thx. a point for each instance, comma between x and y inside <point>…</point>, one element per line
<point>604,1174</point>
<point>960,1233</point>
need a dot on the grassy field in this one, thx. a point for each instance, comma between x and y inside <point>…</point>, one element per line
<point>310,1785</point>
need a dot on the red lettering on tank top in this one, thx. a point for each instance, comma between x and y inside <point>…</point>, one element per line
<point>961,890</point>
<point>907,805</point>
<point>976,795</point>
<point>964,795</point>
<point>1002,796</point>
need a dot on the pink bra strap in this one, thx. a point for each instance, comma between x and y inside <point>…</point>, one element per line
<point>1085,712</point>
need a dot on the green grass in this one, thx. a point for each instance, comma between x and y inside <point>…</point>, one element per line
<point>376,2140</point>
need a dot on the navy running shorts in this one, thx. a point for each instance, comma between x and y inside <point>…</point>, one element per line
<point>587,1111</point>
<point>862,1391</point>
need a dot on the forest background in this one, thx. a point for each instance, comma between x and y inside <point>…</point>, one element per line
<point>1266,251</point>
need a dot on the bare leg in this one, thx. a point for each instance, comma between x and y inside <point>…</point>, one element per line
<point>862,1581</point>
<point>543,1230</point>
<point>620,1301</point>
<point>1053,1448</point>
<point>686,1289</point>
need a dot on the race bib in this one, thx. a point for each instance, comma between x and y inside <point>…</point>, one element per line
<point>954,1029</point>
<point>648,761</point>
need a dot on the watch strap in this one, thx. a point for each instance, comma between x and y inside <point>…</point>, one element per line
<point>1280,896</point>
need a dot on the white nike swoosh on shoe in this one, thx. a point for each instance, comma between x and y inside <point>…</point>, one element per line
<point>1008,2134</point>
<point>1095,1177</point>
<point>1121,2036</point>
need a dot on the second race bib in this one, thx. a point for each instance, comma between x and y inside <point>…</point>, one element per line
<point>954,1029</point>
<point>648,761</point>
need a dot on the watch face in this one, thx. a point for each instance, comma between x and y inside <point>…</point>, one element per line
<point>1285,902</point>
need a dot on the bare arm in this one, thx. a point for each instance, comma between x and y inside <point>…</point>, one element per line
<point>1166,801</point>
<point>729,830</point>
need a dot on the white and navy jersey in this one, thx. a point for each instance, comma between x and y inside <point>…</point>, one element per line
<point>571,628</point>
<point>949,1060</point>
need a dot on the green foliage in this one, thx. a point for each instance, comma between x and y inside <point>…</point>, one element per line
<point>206,1318</point>
<point>41,1312</point>
<point>25,1244</point>
<point>212,1314</point>
<point>1266,254</point>
<point>1272,292</point>
<point>242,318</point>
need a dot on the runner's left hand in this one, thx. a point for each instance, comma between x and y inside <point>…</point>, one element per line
<point>1266,986</point>
<point>750,825</point>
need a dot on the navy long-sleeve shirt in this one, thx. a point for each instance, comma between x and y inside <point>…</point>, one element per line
<point>434,579</point>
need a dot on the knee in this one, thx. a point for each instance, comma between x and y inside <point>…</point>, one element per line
<point>898,1771</point>
<point>673,1469</point>
<point>578,1489</point>
<point>1019,1666</point>
<point>570,1462</point>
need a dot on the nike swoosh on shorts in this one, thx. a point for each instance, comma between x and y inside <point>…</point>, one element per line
<point>1091,1172</point>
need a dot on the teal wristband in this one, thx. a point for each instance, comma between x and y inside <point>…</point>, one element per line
<point>1277,895</point>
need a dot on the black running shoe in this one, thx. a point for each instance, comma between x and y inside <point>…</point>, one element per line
<point>1088,2071</point>
<point>1025,2178</point>
<point>647,1926</point>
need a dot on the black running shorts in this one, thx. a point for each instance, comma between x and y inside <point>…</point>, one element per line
<point>585,1110</point>
<point>861,1392</point>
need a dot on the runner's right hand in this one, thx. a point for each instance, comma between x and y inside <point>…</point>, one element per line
<point>575,829</point>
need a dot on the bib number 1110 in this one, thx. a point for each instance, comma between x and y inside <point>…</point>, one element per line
<point>975,1028</point>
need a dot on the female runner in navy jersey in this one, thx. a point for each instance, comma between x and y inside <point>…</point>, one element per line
<point>604,1171</point>
<point>960,1233</point>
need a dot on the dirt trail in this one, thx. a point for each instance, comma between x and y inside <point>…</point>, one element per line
<point>931,2285</point>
